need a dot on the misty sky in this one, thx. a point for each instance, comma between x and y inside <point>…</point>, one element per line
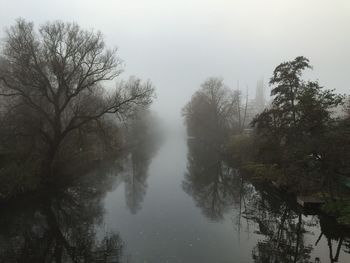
<point>179,43</point>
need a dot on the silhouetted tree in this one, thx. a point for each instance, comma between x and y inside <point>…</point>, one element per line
<point>53,76</point>
<point>211,110</point>
<point>293,131</point>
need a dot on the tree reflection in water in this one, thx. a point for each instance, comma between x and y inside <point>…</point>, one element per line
<point>59,224</point>
<point>337,237</point>
<point>282,228</point>
<point>135,178</point>
<point>210,182</point>
<point>144,139</point>
<point>284,233</point>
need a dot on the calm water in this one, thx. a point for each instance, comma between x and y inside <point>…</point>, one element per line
<point>190,207</point>
<point>178,202</point>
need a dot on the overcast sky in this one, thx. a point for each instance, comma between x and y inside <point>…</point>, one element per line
<point>179,43</point>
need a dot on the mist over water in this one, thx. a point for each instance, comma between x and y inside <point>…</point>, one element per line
<point>145,131</point>
<point>195,208</point>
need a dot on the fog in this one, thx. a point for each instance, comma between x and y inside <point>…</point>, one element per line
<point>177,44</point>
<point>170,149</point>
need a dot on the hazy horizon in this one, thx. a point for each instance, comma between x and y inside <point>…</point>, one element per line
<point>178,44</point>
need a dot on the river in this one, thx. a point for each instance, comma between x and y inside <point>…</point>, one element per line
<point>186,212</point>
<point>174,202</point>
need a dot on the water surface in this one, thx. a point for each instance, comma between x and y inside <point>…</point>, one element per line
<point>189,206</point>
<point>174,202</point>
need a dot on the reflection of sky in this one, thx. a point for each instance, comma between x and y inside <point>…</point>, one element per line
<point>170,227</point>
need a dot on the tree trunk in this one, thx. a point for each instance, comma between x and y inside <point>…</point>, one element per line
<point>47,163</point>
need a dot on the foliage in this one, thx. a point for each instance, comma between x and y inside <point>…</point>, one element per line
<point>215,112</point>
<point>340,209</point>
<point>241,149</point>
<point>262,172</point>
<point>52,81</point>
<point>207,114</point>
<point>295,132</point>
<point>18,178</point>
<point>54,108</point>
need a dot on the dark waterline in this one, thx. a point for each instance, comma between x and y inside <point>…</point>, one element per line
<point>169,225</point>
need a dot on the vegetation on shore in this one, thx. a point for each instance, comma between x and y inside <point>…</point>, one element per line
<point>300,140</point>
<point>54,106</point>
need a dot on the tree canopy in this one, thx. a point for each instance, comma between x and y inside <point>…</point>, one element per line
<point>54,77</point>
<point>294,132</point>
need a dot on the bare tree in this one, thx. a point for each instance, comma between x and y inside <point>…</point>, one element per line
<point>57,73</point>
<point>210,109</point>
